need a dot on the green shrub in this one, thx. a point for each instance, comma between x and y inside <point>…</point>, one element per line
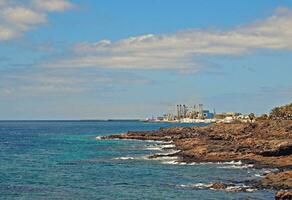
<point>282,112</point>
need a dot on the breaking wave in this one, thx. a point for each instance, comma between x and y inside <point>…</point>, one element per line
<point>160,145</point>
<point>154,148</point>
<point>167,146</point>
<point>230,188</point>
<point>98,137</point>
<point>243,166</point>
<point>124,158</point>
<point>223,165</point>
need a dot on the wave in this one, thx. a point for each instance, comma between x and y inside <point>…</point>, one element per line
<point>160,146</point>
<point>263,172</point>
<point>211,186</point>
<point>237,166</point>
<point>124,158</point>
<point>149,141</point>
<point>196,185</point>
<point>165,158</point>
<point>159,141</point>
<point>167,146</point>
<point>167,142</point>
<point>154,148</point>
<point>173,162</point>
<point>227,165</point>
<point>168,153</point>
<point>259,175</point>
<point>240,188</point>
<point>233,163</point>
<point>98,137</point>
<point>267,171</point>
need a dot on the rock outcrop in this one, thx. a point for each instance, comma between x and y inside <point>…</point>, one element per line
<point>281,180</point>
<point>283,195</point>
<point>266,143</point>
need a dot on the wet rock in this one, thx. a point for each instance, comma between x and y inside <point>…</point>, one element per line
<point>281,150</point>
<point>218,186</point>
<point>224,186</point>
<point>283,195</point>
<point>281,180</point>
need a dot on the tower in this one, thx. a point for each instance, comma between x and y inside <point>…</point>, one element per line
<point>200,111</point>
<point>178,111</point>
<point>184,111</point>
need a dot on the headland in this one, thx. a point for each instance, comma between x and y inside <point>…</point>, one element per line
<point>262,143</point>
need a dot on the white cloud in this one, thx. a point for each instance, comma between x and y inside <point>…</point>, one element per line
<point>61,82</point>
<point>53,5</point>
<point>17,17</point>
<point>22,18</point>
<point>179,50</point>
<point>7,33</point>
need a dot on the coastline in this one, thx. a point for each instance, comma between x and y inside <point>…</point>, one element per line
<point>266,143</point>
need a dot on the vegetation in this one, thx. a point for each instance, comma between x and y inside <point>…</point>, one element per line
<point>251,117</point>
<point>263,117</point>
<point>282,112</point>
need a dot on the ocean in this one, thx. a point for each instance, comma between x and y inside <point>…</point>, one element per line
<point>65,160</point>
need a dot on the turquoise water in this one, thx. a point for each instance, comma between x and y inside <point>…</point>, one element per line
<point>64,160</point>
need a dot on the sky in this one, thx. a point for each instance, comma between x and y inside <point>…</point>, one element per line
<point>109,59</point>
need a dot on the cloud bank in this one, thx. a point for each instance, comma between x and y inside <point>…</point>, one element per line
<point>182,50</point>
<point>62,82</point>
<point>18,17</point>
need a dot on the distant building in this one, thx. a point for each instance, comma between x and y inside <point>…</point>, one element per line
<point>219,116</point>
<point>207,114</point>
<point>231,114</point>
<point>197,114</point>
<point>227,114</point>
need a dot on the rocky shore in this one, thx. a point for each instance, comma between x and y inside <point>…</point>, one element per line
<point>265,143</point>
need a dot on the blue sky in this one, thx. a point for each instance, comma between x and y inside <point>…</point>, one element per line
<point>99,59</point>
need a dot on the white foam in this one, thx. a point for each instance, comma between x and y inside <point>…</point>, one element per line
<point>168,146</point>
<point>236,166</point>
<point>161,146</point>
<point>251,189</point>
<point>196,185</point>
<point>169,153</point>
<point>230,163</point>
<point>165,142</point>
<point>266,171</point>
<point>201,185</point>
<point>234,188</point>
<point>216,163</point>
<point>124,158</point>
<point>154,141</point>
<point>166,158</point>
<point>233,164</point>
<point>159,141</point>
<point>154,148</point>
<point>239,188</point>
<point>258,175</point>
<point>172,162</point>
<point>98,137</point>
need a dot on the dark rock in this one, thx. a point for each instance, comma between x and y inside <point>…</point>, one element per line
<point>280,180</point>
<point>280,151</point>
<point>283,195</point>
<point>218,186</point>
<point>266,143</point>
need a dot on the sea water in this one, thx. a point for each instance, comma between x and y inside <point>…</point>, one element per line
<point>66,160</point>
